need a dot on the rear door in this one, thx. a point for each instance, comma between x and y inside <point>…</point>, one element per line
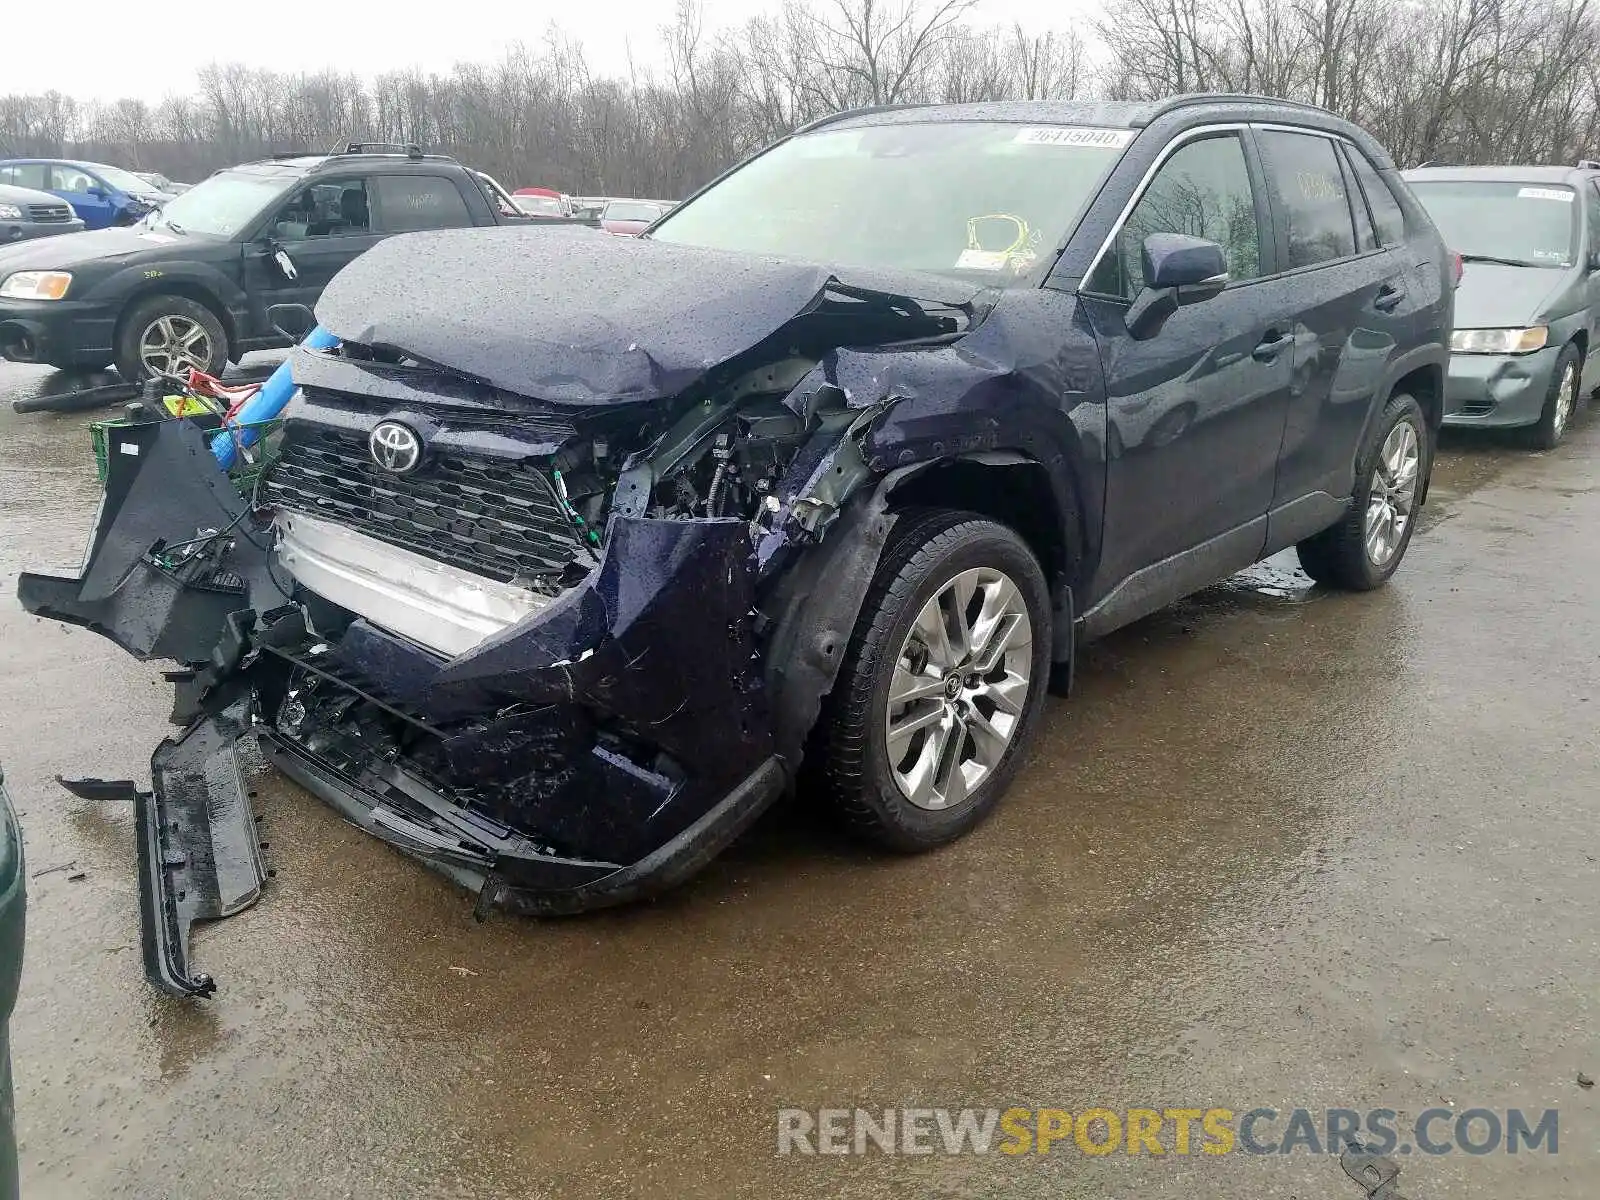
<point>1351,309</point>
<point>1195,412</point>
<point>89,198</point>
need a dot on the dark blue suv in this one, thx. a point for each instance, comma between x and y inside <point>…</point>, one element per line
<point>575,547</point>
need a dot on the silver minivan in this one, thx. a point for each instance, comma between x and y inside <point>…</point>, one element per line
<point>1525,352</point>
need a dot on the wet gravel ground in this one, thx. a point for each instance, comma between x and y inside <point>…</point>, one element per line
<point>1282,848</point>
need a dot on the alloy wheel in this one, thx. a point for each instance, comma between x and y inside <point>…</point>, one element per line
<point>1393,493</point>
<point>1566,399</point>
<point>960,687</point>
<point>171,344</point>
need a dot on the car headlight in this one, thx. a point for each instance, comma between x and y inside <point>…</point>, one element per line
<point>36,285</point>
<point>10,212</point>
<point>1499,341</point>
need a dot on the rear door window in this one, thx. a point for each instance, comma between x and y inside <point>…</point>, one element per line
<point>1203,190</point>
<point>412,202</point>
<point>1387,216</point>
<point>1366,236</point>
<point>28,175</point>
<point>1303,173</point>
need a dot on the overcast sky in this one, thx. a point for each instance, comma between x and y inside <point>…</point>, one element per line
<point>106,49</point>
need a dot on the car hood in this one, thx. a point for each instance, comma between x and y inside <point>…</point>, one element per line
<point>577,316</point>
<point>1496,296</point>
<point>11,194</point>
<point>58,253</point>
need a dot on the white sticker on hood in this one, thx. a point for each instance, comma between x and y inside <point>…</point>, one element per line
<point>156,237</point>
<point>1536,193</point>
<point>1074,135</point>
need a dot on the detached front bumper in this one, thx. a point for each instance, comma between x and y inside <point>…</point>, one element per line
<point>1498,390</point>
<point>597,750</point>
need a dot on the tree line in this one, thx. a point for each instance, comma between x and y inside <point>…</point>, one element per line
<point>1434,80</point>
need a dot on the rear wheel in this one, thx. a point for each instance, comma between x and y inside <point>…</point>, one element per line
<point>941,683</point>
<point>167,335</point>
<point>1560,402</point>
<point>1366,546</point>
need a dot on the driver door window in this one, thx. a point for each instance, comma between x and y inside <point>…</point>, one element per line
<point>70,179</point>
<point>1203,190</point>
<point>326,208</point>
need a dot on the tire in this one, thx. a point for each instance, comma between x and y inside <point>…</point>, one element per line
<point>186,319</point>
<point>1560,402</point>
<point>929,554</point>
<point>1339,556</point>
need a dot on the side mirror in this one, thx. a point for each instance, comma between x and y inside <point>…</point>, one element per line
<point>294,321</point>
<point>1181,270</point>
<point>1593,263</point>
<point>98,193</point>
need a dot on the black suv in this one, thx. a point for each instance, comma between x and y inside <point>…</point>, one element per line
<point>577,547</point>
<point>190,285</point>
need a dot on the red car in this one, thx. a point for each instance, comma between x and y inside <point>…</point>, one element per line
<point>630,218</point>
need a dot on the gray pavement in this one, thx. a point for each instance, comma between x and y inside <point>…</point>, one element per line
<point>1281,849</point>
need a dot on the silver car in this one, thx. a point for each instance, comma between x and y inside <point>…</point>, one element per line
<point>1524,352</point>
<point>27,214</point>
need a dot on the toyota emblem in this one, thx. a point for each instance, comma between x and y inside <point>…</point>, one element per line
<point>395,447</point>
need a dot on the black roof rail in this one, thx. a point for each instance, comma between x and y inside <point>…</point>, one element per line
<point>1190,99</point>
<point>846,113</point>
<point>409,149</point>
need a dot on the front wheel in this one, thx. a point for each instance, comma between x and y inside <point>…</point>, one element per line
<point>1364,548</point>
<point>167,335</point>
<point>1560,402</point>
<point>942,681</point>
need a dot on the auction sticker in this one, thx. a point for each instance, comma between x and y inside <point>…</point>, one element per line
<point>1534,193</point>
<point>1074,135</point>
<point>981,260</point>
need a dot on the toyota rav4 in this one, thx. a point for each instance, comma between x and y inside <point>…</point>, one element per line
<point>576,548</point>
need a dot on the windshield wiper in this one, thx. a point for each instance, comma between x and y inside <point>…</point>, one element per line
<point>1505,262</point>
<point>172,225</point>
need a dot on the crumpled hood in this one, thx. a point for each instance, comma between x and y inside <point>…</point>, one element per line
<point>68,250</point>
<point>1496,296</point>
<point>577,316</point>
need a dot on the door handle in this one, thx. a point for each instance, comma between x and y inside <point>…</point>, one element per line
<point>1271,346</point>
<point>1388,298</point>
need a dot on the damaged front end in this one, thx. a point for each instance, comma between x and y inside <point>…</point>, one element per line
<point>524,641</point>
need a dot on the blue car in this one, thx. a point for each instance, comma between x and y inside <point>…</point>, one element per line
<point>102,196</point>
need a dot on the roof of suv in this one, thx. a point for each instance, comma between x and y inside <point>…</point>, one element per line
<point>1113,114</point>
<point>1504,174</point>
<point>1123,114</point>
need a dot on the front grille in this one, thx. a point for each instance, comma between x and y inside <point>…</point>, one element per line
<point>495,517</point>
<point>46,214</point>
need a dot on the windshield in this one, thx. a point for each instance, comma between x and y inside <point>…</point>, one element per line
<point>224,204</point>
<point>630,211</point>
<point>123,181</point>
<point>1534,225</point>
<point>966,198</point>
